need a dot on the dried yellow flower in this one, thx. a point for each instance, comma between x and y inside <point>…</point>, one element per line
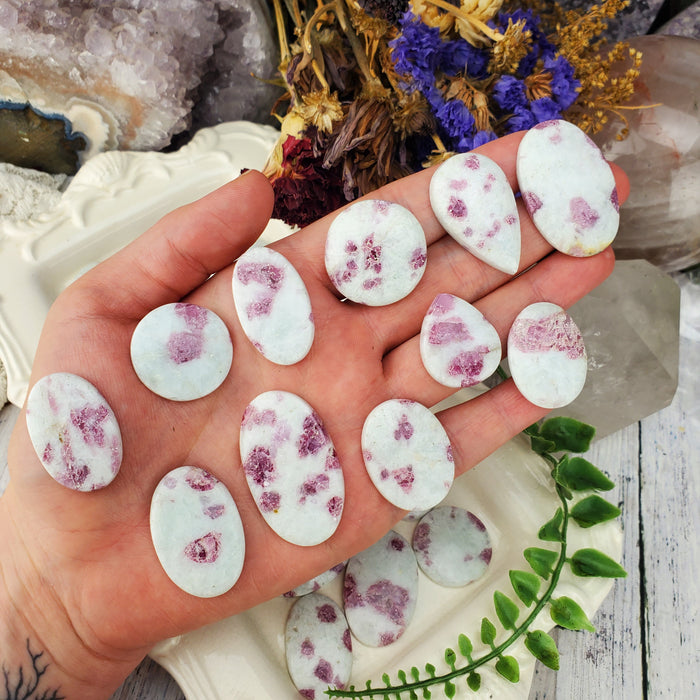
<point>607,82</point>
<point>431,15</point>
<point>538,85</point>
<point>469,19</point>
<point>507,53</point>
<point>321,109</point>
<point>412,115</point>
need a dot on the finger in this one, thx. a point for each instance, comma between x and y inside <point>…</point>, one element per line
<point>183,249</point>
<point>479,426</point>
<point>559,279</point>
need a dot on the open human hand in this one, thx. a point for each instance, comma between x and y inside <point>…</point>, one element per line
<point>80,578</point>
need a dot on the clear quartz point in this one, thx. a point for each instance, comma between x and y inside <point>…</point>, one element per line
<point>661,155</point>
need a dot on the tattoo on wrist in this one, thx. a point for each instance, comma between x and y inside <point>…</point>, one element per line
<point>23,684</point>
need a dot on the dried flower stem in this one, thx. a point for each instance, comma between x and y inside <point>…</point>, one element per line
<point>358,52</point>
<point>306,39</point>
<point>285,53</point>
<point>296,12</point>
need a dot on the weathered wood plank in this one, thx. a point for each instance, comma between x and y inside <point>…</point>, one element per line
<point>593,664</point>
<point>670,458</point>
<point>149,682</point>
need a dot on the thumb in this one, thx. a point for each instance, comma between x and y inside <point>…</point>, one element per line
<point>183,249</point>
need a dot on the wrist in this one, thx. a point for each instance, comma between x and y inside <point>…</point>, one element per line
<point>41,648</point>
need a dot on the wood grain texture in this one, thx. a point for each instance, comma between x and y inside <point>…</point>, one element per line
<point>670,516</point>
<point>592,665</point>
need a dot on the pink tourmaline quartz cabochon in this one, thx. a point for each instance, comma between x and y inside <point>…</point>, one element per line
<point>568,188</point>
<point>452,546</point>
<point>546,355</point>
<point>458,346</point>
<point>273,305</point>
<point>197,532</point>
<point>375,252</point>
<point>318,646</point>
<point>292,468</point>
<point>380,590</point>
<point>181,351</point>
<point>74,432</point>
<point>407,454</point>
<point>473,201</point>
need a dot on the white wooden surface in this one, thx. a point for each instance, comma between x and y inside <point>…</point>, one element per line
<point>648,643</point>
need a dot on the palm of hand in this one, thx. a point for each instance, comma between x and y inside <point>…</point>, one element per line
<point>95,549</point>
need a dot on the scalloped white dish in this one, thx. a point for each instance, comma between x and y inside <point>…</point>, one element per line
<point>112,199</point>
<point>242,657</point>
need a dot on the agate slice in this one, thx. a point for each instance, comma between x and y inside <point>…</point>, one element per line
<point>380,591</point>
<point>473,201</point>
<point>197,532</point>
<point>74,432</point>
<point>181,351</point>
<point>458,346</point>
<point>273,306</point>
<point>546,355</point>
<point>452,546</point>
<point>375,252</point>
<point>318,646</point>
<point>568,188</point>
<point>407,454</point>
<point>291,467</point>
<point>312,585</point>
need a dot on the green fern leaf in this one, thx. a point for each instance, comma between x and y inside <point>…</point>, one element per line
<point>543,648</point>
<point>593,510</point>
<point>568,434</point>
<point>591,562</point>
<point>578,474</point>
<point>526,585</point>
<point>488,631</point>
<point>569,614</point>
<point>506,610</point>
<point>509,668</point>
<point>551,531</point>
<point>465,646</point>
<point>541,560</point>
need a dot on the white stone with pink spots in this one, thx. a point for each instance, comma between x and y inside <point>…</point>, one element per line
<point>380,590</point>
<point>568,188</point>
<point>547,356</point>
<point>458,346</point>
<point>452,546</point>
<point>318,646</point>
<point>74,432</point>
<point>292,468</point>
<point>375,252</point>
<point>181,351</point>
<point>273,305</point>
<point>197,532</point>
<point>472,199</point>
<point>407,454</point>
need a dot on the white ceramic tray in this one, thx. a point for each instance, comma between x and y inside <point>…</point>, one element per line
<point>112,199</point>
<point>242,657</point>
